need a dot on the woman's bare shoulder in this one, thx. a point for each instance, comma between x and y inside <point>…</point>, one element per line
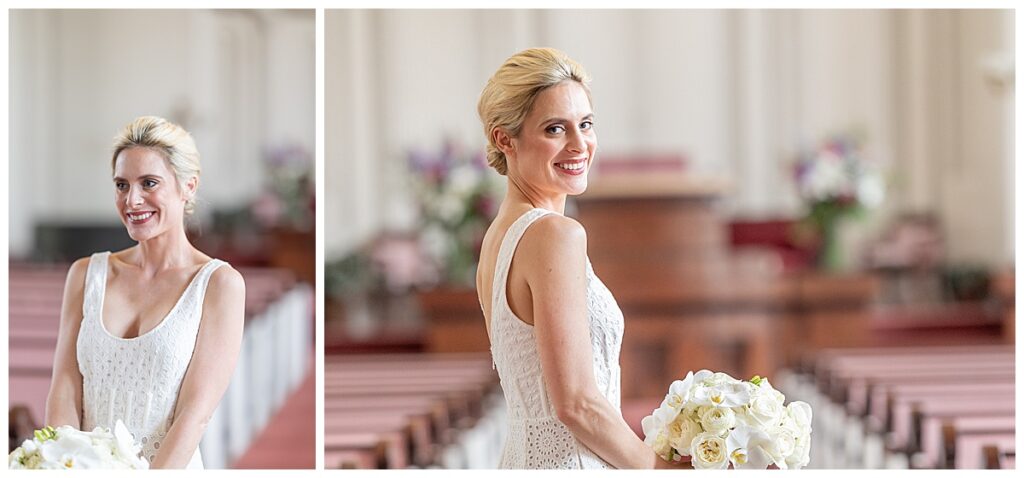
<point>74,285</point>
<point>227,286</point>
<point>227,279</point>
<point>554,230</point>
<point>76,273</point>
<point>553,242</point>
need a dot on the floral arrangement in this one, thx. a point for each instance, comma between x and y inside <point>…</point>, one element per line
<point>835,182</point>
<point>66,447</point>
<point>458,196</point>
<point>721,421</point>
<point>289,194</point>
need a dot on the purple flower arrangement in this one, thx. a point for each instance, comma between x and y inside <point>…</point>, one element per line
<point>458,196</point>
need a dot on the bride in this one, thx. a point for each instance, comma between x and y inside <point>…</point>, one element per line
<point>555,330</point>
<point>150,334</point>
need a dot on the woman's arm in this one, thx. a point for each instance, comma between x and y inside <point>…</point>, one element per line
<point>555,250</point>
<point>209,372</point>
<point>64,401</point>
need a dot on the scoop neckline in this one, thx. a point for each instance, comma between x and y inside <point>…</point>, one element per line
<point>163,320</point>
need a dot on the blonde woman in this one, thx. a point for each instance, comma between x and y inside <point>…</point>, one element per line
<point>555,330</point>
<point>150,334</point>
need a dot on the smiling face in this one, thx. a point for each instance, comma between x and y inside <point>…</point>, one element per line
<point>147,194</point>
<point>556,145</point>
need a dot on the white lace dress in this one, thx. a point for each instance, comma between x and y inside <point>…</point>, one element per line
<point>536,438</point>
<point>137,379</point>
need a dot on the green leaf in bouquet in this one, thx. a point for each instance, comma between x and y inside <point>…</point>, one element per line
<point>756,380</point>
<point>46,433</point>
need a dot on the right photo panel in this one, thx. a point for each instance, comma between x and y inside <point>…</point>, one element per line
<point>669,239</point>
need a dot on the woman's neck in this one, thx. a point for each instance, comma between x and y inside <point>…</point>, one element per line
<point>169,250</point>
<point>518,194</point>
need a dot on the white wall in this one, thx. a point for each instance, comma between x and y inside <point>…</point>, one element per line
<point>239,81</point>
<point>738,92</point>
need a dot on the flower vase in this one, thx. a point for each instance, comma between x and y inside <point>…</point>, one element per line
<point>830,254</point>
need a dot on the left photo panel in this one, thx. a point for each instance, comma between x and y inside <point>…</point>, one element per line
<point>162,239</point>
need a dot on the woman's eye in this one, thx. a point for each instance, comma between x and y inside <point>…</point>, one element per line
<point>555,129</point>
<point>121,186</point>
<point>149,183</point>
<point>586,125</point>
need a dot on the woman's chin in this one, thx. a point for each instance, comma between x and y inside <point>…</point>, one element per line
<point>140,234</point>
<point>577,187</point>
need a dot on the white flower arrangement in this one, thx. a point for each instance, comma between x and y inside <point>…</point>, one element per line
<point>458,196</point>
<point>720,421</point>
<point>68,448</point>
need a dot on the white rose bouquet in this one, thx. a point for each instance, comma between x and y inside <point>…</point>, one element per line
<point>66,447</point>
<point>720,421</point>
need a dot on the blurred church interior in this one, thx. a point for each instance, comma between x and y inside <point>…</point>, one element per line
<point>242,82</point>
<point>824,198</point>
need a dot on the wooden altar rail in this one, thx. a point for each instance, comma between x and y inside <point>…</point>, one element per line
<point>34,317</point>
<point>400,410</point>
<point>938,406</point>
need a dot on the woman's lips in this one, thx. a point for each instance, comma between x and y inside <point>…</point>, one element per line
<point>572,168</point>
<point>140,217</point>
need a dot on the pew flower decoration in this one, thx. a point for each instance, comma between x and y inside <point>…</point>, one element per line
<point>68,448</point>
<point>720,421</point>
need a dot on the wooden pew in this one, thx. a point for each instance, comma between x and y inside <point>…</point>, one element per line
<point>907,393</point>
<point>352,459</point>
<point>944,451</point>
<point>846,378</point>
<point>411,405</point>
<point>909,412</point>
<point>971,450</point>
<point>386,448</point>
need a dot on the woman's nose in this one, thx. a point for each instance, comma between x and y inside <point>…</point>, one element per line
<point>134,197</point>
<point>577,143</point>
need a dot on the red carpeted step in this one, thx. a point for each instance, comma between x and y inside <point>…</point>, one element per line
<point>289,439</point>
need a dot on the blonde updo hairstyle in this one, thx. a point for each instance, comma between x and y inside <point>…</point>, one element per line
<point>511,91</point>
<point>172,141</point>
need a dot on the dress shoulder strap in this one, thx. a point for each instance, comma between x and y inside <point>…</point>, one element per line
<point>202,280</point>
<point>506,252</point>
<point>95,284</point>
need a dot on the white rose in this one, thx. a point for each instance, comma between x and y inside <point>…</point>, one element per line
<point>801,455</point>
<point>681,433</point>
<point>801,414</point>
<point>656,435</point>
<point>709,452</point>
<point>764,411</point>
<point>717,420</point>
<point>765,388</point>
<point>782,445</point>
<point>29,447</point>
<point>14,459</point>
<point>789,424</point>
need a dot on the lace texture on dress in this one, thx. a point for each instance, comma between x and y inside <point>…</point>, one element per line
<point>137,379</point>
<point>536,438</point>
